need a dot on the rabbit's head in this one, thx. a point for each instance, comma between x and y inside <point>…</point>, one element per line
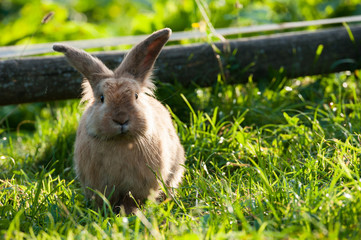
<point>118,104</point>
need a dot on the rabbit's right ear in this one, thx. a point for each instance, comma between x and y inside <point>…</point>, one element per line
<point>140,60</point>
<point>90,67</point>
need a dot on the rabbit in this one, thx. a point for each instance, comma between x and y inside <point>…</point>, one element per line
<point>126,142</point>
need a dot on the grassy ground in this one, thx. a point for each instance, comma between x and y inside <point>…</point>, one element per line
<point>281,161</point>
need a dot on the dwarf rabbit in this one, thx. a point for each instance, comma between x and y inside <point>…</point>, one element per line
<point>125,141</point>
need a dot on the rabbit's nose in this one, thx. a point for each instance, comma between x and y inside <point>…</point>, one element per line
<point>120,117</point>
<point>121,122</point>
<point>123,125</point>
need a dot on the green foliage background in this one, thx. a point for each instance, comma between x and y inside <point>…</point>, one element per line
<point>82,19</point>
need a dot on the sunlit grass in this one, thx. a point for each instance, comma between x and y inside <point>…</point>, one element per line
<point>281,161</point>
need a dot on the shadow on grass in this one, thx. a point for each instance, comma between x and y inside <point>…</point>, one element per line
<point>58,156</point>
<point>48,147</point>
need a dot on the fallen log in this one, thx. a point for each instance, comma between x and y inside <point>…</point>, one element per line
<point>289,54</point>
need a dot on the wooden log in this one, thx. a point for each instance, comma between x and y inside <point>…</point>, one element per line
<point>298,54</point>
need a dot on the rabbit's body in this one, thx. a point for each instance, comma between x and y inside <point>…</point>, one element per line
<point>128,164</point>
<point>126,141</point>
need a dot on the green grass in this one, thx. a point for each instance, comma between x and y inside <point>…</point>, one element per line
<point>274,162</point>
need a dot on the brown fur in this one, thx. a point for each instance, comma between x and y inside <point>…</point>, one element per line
<point>125,142</point>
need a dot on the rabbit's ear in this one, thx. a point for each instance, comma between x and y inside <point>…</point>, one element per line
<point>90,67</point>
<point>140,60</point>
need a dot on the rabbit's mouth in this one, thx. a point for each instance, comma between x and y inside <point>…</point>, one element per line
<point>118,132</point>
<point>112,137</point>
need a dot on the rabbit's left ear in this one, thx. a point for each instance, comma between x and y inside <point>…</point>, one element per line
<point>140,60</point>
<point>90,67</point>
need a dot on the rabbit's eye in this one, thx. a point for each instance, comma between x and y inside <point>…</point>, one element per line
<point>136,95</point>
<point>102,98</point>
